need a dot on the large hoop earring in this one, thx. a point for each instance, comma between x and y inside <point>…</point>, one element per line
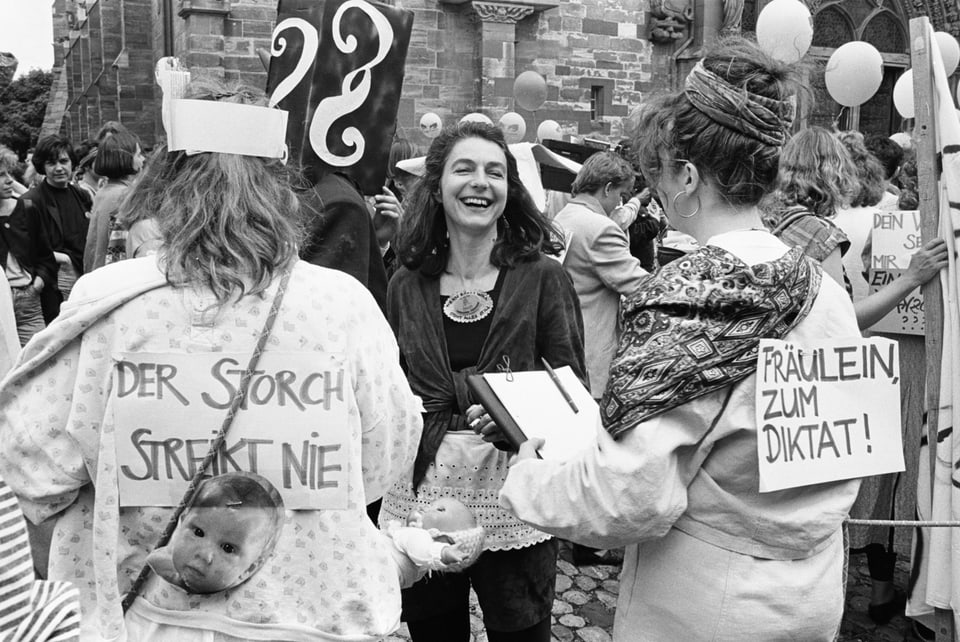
<point>690,215</point>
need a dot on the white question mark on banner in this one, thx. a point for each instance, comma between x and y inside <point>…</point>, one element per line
<point>278,46</point>
<point>331,109</point>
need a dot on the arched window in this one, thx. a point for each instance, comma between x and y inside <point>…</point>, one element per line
<point>832,28</point>
<point>885,33</point>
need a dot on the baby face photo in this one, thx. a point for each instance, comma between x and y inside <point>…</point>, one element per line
<point>224,536</point>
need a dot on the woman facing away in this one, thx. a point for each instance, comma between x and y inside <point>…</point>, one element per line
<point>476,294</point>
<point>675,474</point>
<point>330,388</point>
<point>818,178</point>
<point>821,168</point>
<point>119,160</point>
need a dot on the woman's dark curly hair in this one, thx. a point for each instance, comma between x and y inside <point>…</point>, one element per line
<point>741,167</point>
<point>523,232</point>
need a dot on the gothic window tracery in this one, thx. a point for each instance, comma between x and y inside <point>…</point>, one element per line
<point>832,28</point>
<point>885,33</point>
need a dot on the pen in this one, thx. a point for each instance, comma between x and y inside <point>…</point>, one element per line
<point>556,380</point>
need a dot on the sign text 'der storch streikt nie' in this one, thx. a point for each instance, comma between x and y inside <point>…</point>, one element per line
<point>292,429</point>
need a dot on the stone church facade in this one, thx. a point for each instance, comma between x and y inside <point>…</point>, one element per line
<point>600,57</point>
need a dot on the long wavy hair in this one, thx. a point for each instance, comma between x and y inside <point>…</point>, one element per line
<point>816,172</point>
<point>523,233</point>
<point>229,223</point>
<point>670,127</point>
<point>871,175</point>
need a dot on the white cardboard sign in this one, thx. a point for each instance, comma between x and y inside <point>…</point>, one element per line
<point>895,237</point>
<point>827,412</point>
<point>292,428</point>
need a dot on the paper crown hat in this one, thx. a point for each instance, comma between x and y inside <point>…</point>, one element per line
<point>198,126</point>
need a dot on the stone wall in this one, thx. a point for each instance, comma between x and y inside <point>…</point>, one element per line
<point>600,58</point>
<point>462,58</point>
<point>108,66</point>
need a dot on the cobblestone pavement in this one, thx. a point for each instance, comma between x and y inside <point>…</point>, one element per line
<point>586,597</point>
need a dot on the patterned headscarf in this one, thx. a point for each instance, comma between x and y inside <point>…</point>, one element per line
<point>764,119</point>
<point>694,326</point>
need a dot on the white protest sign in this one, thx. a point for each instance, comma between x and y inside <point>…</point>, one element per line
<point>292,428</point>
<point>895,237</point>
<point>828,411</point>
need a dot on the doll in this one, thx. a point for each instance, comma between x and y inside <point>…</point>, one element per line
<point>225,534</point>
<point>445,537</point>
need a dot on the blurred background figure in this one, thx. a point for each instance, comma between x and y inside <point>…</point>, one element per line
<point>28,262</point>
<point>83,175</point>
<point>891,157</point>
<point>855,217</point>
<point>388,205</point>
<point>62,209</point>
<point>118,161</point>
<point>602,269</point>
<point>598,257</point>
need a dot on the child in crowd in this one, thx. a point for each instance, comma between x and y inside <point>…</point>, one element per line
<point>225,535</point>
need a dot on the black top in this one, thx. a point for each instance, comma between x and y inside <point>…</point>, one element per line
<point>465,340</point>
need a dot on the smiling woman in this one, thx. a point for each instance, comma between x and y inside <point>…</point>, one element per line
<point>476,294</point>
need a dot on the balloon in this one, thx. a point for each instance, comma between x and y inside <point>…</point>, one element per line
<point>785,30</point>
<point>513,126</point>
<point>949,50</point>
<point>431,124</point>
<point>530,90</point>
<point>903,94</point>
<point>854,73</point>
<point>476,117</point>
<point>549,130</point>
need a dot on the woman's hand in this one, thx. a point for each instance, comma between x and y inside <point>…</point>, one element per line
<point>387,212</point>
<point>528,450</point>
<point>483,425</point>
<point>927,262</point>
<point>37,284</point>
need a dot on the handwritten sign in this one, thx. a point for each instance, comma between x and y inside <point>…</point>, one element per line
<point>896,236</point>
<point>292,428</point>
<point>827,412</point>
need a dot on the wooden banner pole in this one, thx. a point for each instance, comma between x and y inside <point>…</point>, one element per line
<point>928,184</point>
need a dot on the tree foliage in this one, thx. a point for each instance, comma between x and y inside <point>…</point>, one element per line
<point>23,104</point>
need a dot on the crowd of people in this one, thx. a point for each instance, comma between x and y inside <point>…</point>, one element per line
<point>166,267</point>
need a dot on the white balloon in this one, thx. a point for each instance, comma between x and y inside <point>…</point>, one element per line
<point>903,94</point>
<point>476,117</point>
<point>431,124</point>
<point>949,50</point>
<point>854,73</point>
<point>513,126</point>
<point>785,30</point>
<point>549,130</point>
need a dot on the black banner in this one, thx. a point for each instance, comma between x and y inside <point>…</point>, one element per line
<point>337,67</point>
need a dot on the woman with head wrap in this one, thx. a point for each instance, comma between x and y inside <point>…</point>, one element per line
<point>675,475</point>
<point>325,414</point>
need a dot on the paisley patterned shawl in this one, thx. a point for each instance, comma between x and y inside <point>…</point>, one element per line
<point>694,327</point>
